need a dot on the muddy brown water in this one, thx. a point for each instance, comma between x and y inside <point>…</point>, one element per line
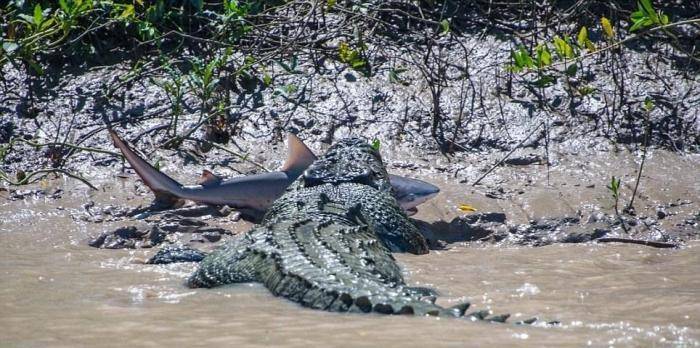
<point>57,291</point>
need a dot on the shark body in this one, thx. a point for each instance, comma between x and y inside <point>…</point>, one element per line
<point>253,194</point>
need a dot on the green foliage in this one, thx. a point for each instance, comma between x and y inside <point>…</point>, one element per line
<point>646,16</point>
<point>376,144</point>
<point>521,60</point>
<point>175,91</point>
<point>607,28</point>
<point>353,56</point>
<point>583,41</point>
<point>544,57</point>
<point>562,47</point>
<point>37,28</point>
<point>567,50</point>
<point>614,188</point>
<point>445,26</point>
<point>267,80</point>
<point>290,68</point>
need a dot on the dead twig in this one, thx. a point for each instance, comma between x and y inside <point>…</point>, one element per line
<point>637,241</point>
<point>41,173</point>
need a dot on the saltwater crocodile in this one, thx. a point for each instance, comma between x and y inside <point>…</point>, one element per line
<point>327,242</point>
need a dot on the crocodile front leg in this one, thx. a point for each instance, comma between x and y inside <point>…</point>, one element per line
<point>232,263</point>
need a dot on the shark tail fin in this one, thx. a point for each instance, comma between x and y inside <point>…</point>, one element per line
<point>165,188</point>
<point>299,156</point>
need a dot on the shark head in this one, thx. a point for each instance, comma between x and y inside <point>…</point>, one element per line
<point>410,193</point>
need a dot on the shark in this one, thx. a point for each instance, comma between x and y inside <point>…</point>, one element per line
<point>253,194</point>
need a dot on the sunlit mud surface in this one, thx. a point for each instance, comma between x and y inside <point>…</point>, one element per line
<point>57,291</point>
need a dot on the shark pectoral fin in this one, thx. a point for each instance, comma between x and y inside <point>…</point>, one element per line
<point>208,179</point>
<point>299,155</point>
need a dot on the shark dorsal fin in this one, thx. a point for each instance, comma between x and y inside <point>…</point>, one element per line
<point>208,178</point>
<point>299,156</point>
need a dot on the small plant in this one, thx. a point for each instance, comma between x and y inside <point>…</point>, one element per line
<point>646,16</point>
<point>614,188</point>
<point>376,144</point>
<point>353,56</point>
<point>586,90</point>
<point>521,60</point>
<point>607,28</point>
<point>647,106</point>
<point>290,68</point>
<point>267,80</point>
<point>394,75</point>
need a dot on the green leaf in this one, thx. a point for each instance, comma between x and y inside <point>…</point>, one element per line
<point>394,76</point>
<point>128,12</point>
<point>571,70</point>
<point>637,15</point>
<point>607,27</point>
<point>563,49</point>
<point>376,144</point>
<point>544,58</point>
<point>357,64</point>
<point>664,19</point>
<point>64,6</point>
<point>445,26</point>
<point>642,23</point>
<point>344,52</point>
<point>582,37</point>
<point>590,46</point>
<point>47,23</point>
<point>522,58</point>
<point>545,81</point>
<point>267,79</point>
<point>586,90</point>
<point>290,88</point>
<point>649,10</point>
<point>646,5</point>
<point>614,187</point>
<point>38,15</point>
<point>648,104</point>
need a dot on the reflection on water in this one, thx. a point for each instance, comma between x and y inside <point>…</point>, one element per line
<point>57,291</point>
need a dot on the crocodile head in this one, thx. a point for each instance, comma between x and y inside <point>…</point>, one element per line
<point>348,160</point>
